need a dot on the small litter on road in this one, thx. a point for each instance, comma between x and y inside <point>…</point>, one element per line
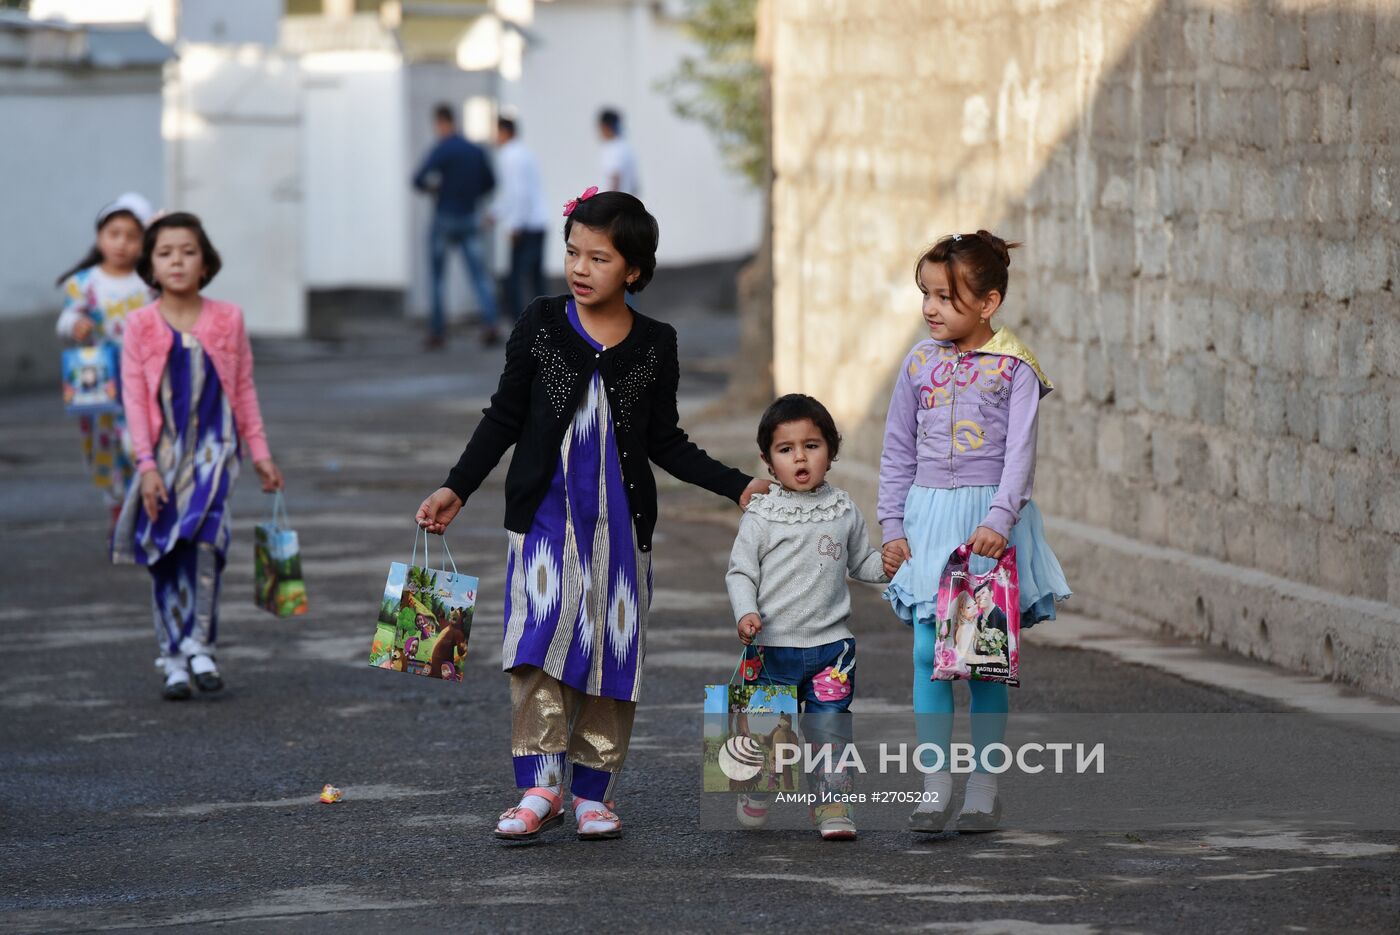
<point>330,794</point>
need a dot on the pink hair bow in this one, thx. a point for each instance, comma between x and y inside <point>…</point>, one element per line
<point>588,193</point>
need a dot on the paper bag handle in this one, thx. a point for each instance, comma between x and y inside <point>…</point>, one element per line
<point>279,508</point>
<point>446,552</point>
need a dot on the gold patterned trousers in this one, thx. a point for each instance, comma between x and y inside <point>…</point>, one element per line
<point>553,723</point>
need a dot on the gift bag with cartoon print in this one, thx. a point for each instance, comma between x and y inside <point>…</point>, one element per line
<point>278,587</point>
<point>978,620</point>
<point>90,380</point>
<point>425,618</point>
<point>744,719</point>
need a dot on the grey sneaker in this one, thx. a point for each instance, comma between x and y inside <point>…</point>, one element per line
<point>928,821</point>
<point>981,821</point>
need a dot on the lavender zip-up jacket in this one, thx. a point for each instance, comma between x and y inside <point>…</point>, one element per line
<point>963,420</point>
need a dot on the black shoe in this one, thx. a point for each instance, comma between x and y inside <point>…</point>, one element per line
<point>176,690</point>
<point>206,677</point>
<point>435,342</point>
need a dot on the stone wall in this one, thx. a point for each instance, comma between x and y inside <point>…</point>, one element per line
<point>1208,192</point>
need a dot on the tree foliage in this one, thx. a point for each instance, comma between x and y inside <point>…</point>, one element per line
<point>723,88</point>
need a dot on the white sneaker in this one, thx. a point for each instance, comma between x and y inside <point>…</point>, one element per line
<point>752,812</point>
<point>838,828</point>
<point>206,674</point>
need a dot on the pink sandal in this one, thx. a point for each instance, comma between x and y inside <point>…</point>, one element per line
<point>604,814</point>
<point>534,824</point>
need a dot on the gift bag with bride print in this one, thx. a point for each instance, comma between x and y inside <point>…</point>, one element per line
<point>425,618</point>
<point>978,620</point>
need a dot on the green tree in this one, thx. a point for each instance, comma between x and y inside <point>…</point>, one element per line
<point>727,90</point>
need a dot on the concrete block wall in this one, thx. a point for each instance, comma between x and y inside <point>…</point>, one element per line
<point>1208,194</point>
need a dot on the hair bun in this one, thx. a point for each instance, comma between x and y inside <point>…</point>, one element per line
<point>1000,247</point>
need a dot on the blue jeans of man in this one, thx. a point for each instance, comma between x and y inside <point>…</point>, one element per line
<point>464,232</point>
<point>525,279</point>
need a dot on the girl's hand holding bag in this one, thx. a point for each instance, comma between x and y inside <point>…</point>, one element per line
<point>978,620</point>
<point>425,618</point>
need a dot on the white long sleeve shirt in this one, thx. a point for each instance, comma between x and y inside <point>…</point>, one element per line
<point>520,204</point>
<point>617,161</point>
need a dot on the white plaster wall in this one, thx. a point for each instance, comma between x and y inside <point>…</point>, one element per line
<point>71,145</point>
<point>355,171</point>
<point>224,21</point>
<point>233,121</point>
<point>612,54</point>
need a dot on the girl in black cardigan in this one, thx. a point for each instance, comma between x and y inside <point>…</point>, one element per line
<point>588,398</point>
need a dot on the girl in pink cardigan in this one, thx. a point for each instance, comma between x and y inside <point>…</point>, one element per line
<point>187,385</point>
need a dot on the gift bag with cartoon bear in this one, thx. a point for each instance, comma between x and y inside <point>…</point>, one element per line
<point>425,618</point>
<point>278,587</point>
<point>744,721</point>
<point>978,620</point>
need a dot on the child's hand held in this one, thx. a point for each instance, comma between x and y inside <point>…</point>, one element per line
<point>749,627</point>
<point>894,554</point>
<point>987,543</point>
<point>82,328</point>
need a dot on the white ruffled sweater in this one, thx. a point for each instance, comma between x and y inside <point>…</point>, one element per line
<point>789,565</point>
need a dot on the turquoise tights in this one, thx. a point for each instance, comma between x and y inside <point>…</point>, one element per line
<point>933,703</point>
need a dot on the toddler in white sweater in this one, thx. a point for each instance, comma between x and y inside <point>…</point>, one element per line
<point>787,587</point>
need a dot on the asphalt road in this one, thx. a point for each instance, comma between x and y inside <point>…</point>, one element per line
<point>120,810</point>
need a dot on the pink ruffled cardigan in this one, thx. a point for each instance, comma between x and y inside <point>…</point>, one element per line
<point>145,348</point>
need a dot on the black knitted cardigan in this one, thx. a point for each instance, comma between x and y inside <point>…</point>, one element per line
<point>547,371</point>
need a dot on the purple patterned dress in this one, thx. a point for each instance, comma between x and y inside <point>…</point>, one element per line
<point>185,547</point>
<point>578,586</point>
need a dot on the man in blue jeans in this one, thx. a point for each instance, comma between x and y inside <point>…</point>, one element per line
<point>458,173</point>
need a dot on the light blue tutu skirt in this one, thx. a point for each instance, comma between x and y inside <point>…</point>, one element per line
<point>937,520</point>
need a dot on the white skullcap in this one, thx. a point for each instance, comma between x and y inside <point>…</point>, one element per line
<point>133,202</point>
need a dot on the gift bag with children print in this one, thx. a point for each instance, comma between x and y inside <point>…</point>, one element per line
<point>278,587</point>
<point>425,618</point>
<point>90,380</point>
<point>744,722</point>
<point>979,621</point>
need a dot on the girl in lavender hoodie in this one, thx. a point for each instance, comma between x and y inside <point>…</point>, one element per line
<point>957,465</point>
